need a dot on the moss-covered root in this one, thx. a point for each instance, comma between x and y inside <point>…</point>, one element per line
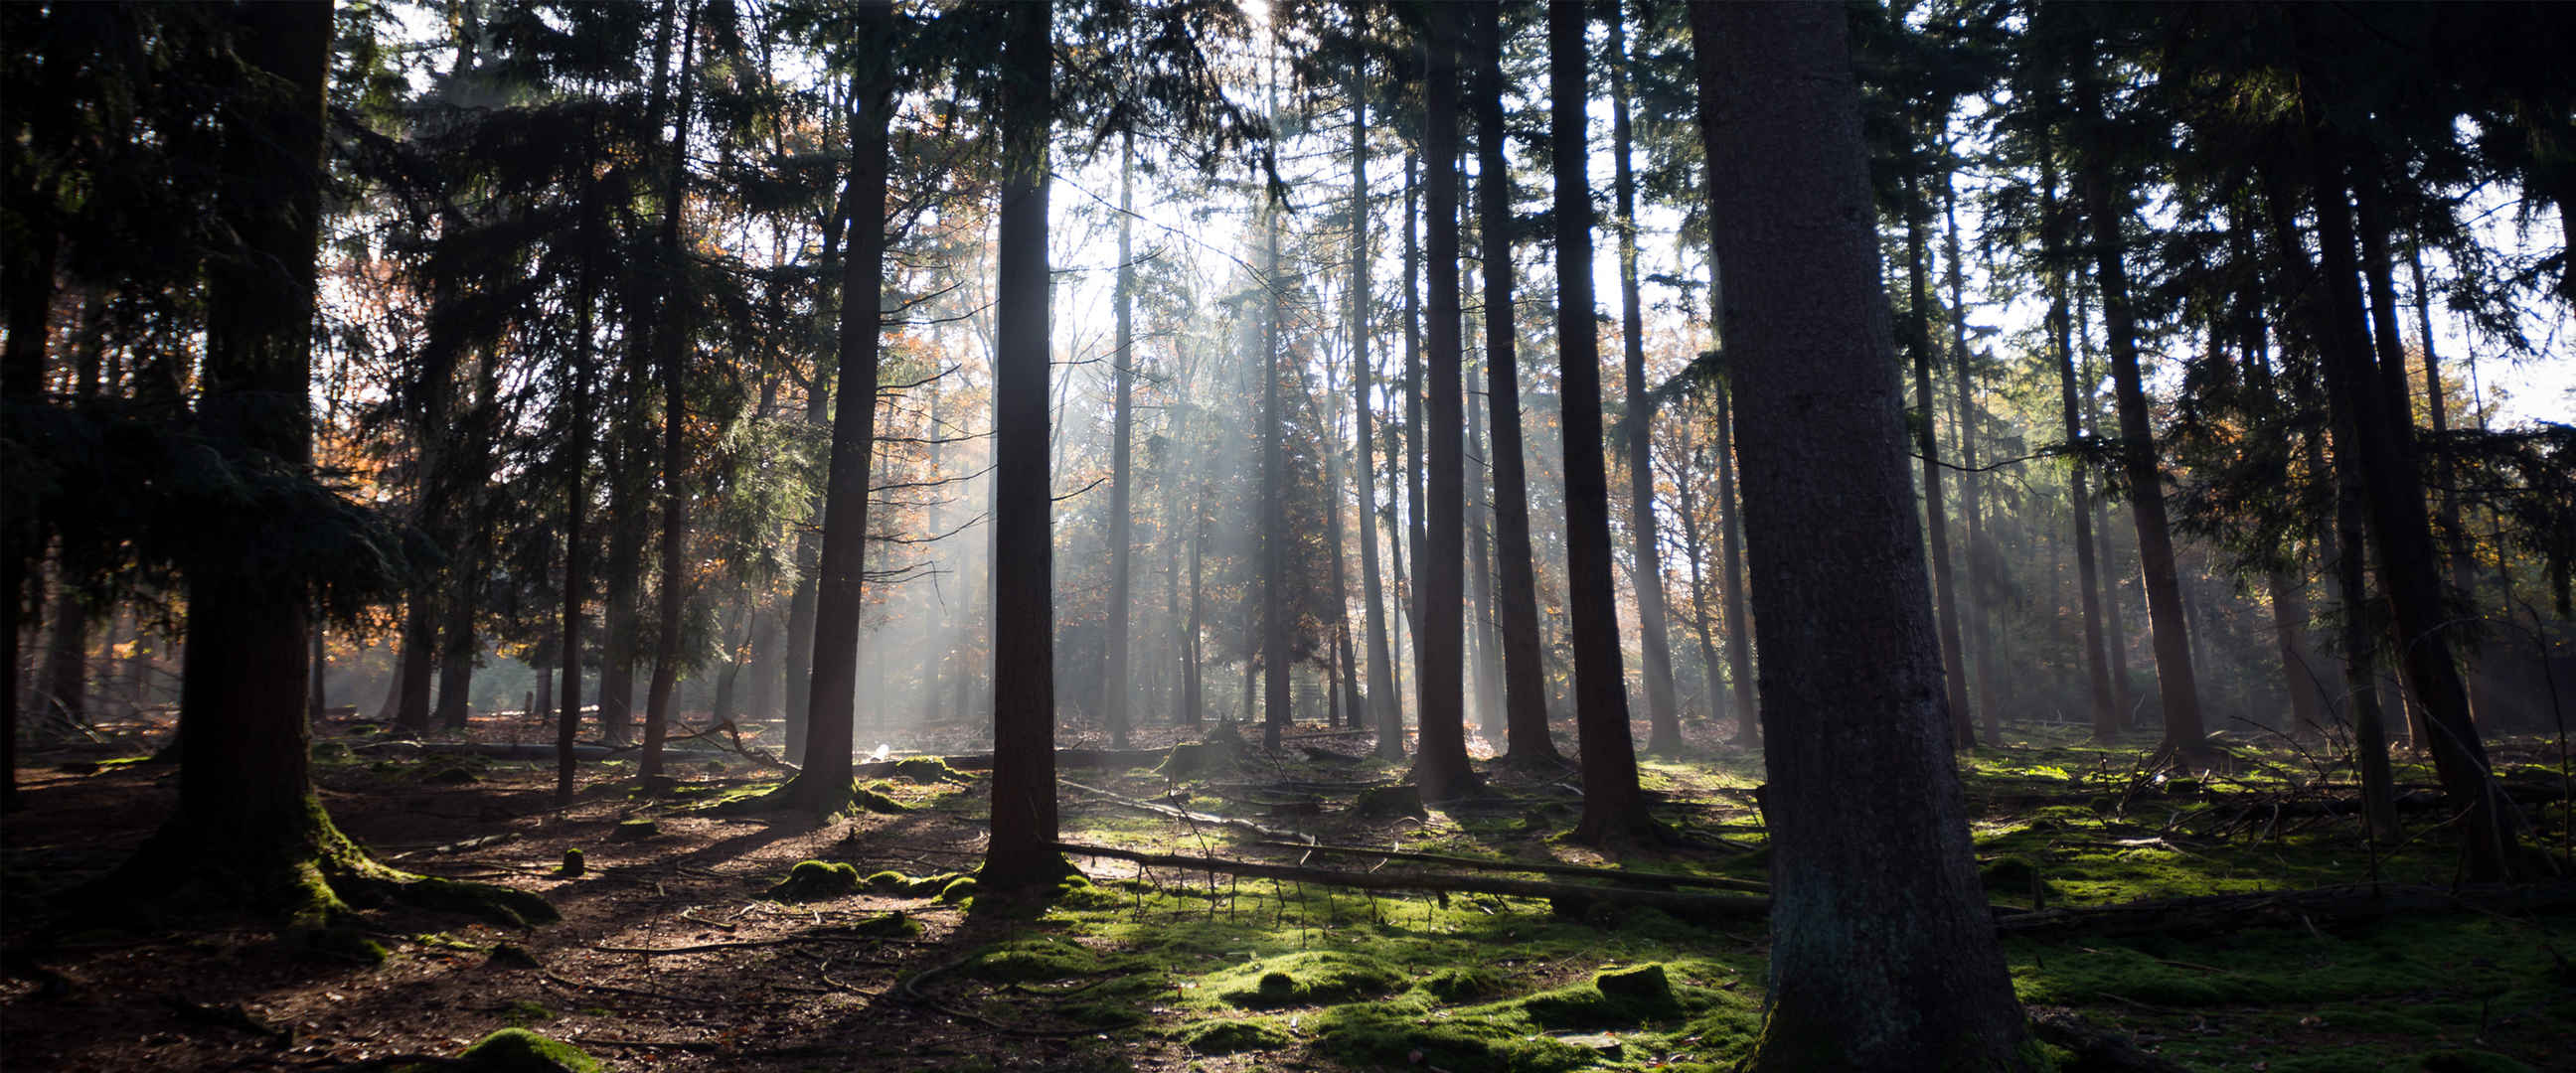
<point>802,795</point>
<point>815,881</point>
<point>307,878</point>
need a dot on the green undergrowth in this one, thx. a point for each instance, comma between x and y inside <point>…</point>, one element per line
<point>514,1050</point>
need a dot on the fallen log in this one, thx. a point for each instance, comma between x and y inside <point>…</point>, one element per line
<point>1566,897</point>
<point>2349,904</point>
<point>1064,758</point>
<point>1542,868</point>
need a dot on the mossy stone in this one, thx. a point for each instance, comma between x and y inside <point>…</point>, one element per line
<point>1460,983</point>
<point>634,830</point>
<point>574,863</point>
<point>924,770</point>
<point>897,884</point>
<point>517,1050</point>
<point>1313,978</point>
<point>814,881</point>
<point>1388,802</point>
<point>958,890</point>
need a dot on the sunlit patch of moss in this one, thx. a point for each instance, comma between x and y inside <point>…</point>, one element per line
<point>895,884</point>
<point>1459,983</point>
<point>1313,978</point>
<point>1382,1036</point>
<point>814,881</point>
<point>517,1050</point>
<point>1233,1036</point>
<point>522,1013</point>
<point>925,770</point>
<point>1042,958</point>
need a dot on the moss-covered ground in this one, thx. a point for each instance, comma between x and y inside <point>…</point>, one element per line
<point>720,937</point>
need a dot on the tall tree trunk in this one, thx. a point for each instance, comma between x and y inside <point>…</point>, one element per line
<point>1730,576</point>
<point>1695,550</point>
<point>1440,758</point>
<point>1954,673</point>
<point>1276,699</point>
<point>797,673</point>
<point>1613,807</point>
<point>459,649</point>
<point>1484,656</point>
<point>1869,834</point>
<point>576,584</point>
<point>2174,676</point>
<point>1121,525</point>
<point>2455,538</point>
<point>2399,530</point>
<point>1194,677</point>
<point>1524,677</point>
<point>2097,673</point>
<point>1024,810</point>
<point>839,592</point>
<point>672,342</point>
<point>1381,711</point>
<point>1980,554</point>
<point>1414,475</point>
<point>1655,656</point>
<point>2115,629</point>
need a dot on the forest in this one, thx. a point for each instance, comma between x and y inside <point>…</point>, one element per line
<point>546,536</point>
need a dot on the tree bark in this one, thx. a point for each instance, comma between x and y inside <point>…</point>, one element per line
<point>1524,686</point>
<point>576,584</point>
<point>1440,760</point>
<point>672,342</point>
<point>1381,696</point>
<point>2400,533</point>
<point>1613,808</point>
<point>1954,673</point>
<point>2174,676</point>
<point>2097,673</point>
<point>1870,844</point>
<point>1121,525</point>
<point>1730,543</point>
<point>1021,852</point>
<point>1655,655</point>
<point>1276,699</point>
<point>1981,639</point>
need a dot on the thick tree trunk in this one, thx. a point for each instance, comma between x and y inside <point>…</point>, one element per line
<point>2400,532</point>
<point>1524,686</point>
<point>418,664</point>
<point>1655,655</point>
<point>1021,852</point>
<point>1122,472</point>
<point>2105,718</point>
<point>1440,760</point>
<point>1954,673</point>
<point>1981,641</point>
<point>1414,476</point>
<point>797,672</point>
<point>1613,808</point>
<point>576,584</point>
<point>1870,844</point>
<point>2175,680</point>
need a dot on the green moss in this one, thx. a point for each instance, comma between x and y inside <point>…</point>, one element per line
<point>1376,1035</point>
<point>958,891</point>
<point>1027,960</point>
<point>924,770</point>
<point>1076,892</point>
<point>1219,1036</point>
<point>337,944</point>
<point>1459,984</point>
<point>877,802</point>
<point>892,925</point>
<point>500,905</point>
<point>2458,1061</point>
<point>517,1050</point>
<point>634,830</point>
<point>331,752</point>
<point>1613,999</point>
<point>814,881</point>
<point>574,863</point>
<point>898,885</point>
<point>1313,978</point>
<point>523,1013</point>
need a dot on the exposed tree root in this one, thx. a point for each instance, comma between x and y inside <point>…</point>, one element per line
<point>808,793</point>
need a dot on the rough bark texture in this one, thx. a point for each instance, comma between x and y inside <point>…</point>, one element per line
<point>1883,956</point>
<point>1440,757</point>
<point>2174,677</point>
<point>1655,655</point>
<point>1613,808</point>
<point>1024,811</point>
<point>839,593</point>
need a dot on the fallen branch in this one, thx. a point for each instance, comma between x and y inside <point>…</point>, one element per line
<point>1184,815</point>
<point>1566,895</point>
<point>1614,874</point>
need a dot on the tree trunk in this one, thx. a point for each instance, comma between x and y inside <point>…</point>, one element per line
<point>1869,835</point>
<point>2105,718</point>
<point>1121,526</point>
<point>1414,476</point>
<point>1380,709</point>
<point>2115,630</point>
<point>1980,634</point>
<point>1695,550</point>
<point>1440,759</point>
<point>1194,678</point>
<point>1524,685</point>
<point>1613,808</point>
<point>1730,551</point>
<point>1484,656</point>
<point>671,341</point>
<point>1275,699</point>
<point>2399,530</point>
<point>2447,509</point>
<point>1024,812</point>
<point>2174,677</point>
<point>1655,656</point>
<point>1954,672</point>
<point>576,582</point>
<point>797,674</point>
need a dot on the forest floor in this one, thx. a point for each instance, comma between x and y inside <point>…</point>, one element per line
<point>672,954</point>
